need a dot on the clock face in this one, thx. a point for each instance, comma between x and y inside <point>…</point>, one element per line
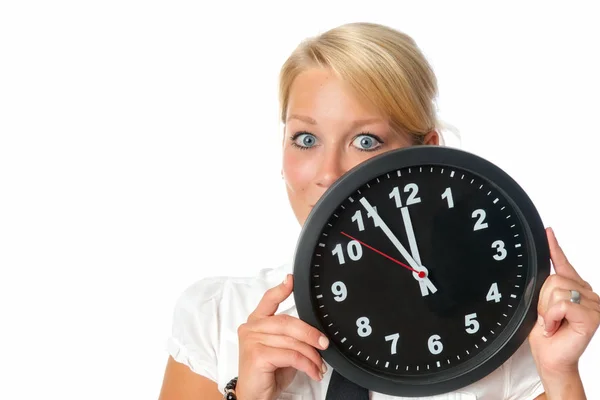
<point>419,273</point>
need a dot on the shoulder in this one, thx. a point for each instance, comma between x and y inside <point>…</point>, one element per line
<point>208,312</point>
<point>222,293</point>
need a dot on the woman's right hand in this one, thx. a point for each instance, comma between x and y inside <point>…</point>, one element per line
<point>274,347</point>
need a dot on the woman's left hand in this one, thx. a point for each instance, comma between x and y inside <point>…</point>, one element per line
<point>564,328</point>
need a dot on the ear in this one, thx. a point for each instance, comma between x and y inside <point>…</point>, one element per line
<point>432,138</point>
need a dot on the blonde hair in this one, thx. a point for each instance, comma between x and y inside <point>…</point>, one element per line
<point>383,66</point>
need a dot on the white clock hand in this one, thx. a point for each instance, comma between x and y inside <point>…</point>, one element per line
<point>424,283</point>
<point>410,233</point>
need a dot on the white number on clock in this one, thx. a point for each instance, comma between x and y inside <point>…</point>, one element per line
<point>354,251</point>
<point>471,323</point>
<point>364,329</point>
<point>448,196</point>
<point>357,217</point>
<point>395,194</point>
<point>435,345</point>
<point>493,293</point>
<point>339,290</point>
<point>499,246</point>
<point>412,197</point>
<point>394,339</point>
<point>480,215</point>
<point>413,189</point>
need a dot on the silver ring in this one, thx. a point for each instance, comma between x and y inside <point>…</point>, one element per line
<point>575,297</point>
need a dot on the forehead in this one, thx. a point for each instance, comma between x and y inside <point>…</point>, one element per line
<point>320,94</point>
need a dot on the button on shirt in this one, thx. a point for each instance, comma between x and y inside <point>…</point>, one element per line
<point>209,312</point>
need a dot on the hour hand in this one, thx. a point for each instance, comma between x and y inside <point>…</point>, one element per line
<point>421,274</point>
<point>426,285</point>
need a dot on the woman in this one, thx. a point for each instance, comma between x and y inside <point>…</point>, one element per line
<point>347,95</point>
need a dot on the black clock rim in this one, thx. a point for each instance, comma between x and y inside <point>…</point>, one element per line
<point>521,323</point>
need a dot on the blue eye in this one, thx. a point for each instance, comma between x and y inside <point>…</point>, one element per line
<point>366,142</point>
<point>304,140</point>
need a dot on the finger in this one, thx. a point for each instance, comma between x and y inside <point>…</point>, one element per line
<point>288,342</point>
<point>557,288</point>
<point>291,326</point>
<point>272,298</point>
<point>583,318</point>
<point>588,299</point>
<point>562,266</point>
<point>281,358</point>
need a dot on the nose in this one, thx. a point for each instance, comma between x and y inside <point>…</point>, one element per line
<point>331,169</point>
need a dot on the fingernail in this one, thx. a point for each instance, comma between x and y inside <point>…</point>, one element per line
<point>323,367</point>
<point>540,320</point>
<point>323,342</point>
<point>320,376</point>
<point>548,329</point>
<point>285,280</point>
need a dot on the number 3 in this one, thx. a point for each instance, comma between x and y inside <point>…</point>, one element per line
<point>499,246</point>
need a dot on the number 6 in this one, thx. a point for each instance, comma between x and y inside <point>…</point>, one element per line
<point>435,346</point>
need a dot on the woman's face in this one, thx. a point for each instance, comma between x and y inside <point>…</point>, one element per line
<point>327,132</point>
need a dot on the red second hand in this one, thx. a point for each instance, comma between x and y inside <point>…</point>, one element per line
<point>421,274</point>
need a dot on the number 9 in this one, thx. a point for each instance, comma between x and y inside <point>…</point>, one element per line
<point>339,290</point>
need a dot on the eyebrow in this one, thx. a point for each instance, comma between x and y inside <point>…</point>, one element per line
<point>355,124</point>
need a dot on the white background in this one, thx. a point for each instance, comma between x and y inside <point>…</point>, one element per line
<point>139,152</point>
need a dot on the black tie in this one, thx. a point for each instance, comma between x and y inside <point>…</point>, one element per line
<point>341,388</point>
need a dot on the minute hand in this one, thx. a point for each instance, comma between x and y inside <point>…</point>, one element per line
<point>424,282</point>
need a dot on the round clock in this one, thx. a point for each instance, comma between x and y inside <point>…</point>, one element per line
<point>423,267</point>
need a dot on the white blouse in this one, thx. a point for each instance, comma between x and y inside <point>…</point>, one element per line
<point>204,337</point>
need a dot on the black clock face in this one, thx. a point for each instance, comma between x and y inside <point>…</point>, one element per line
<point>383,314</point>
<point>419,274</point>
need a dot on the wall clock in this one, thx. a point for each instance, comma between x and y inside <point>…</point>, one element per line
<point>423,266</point>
